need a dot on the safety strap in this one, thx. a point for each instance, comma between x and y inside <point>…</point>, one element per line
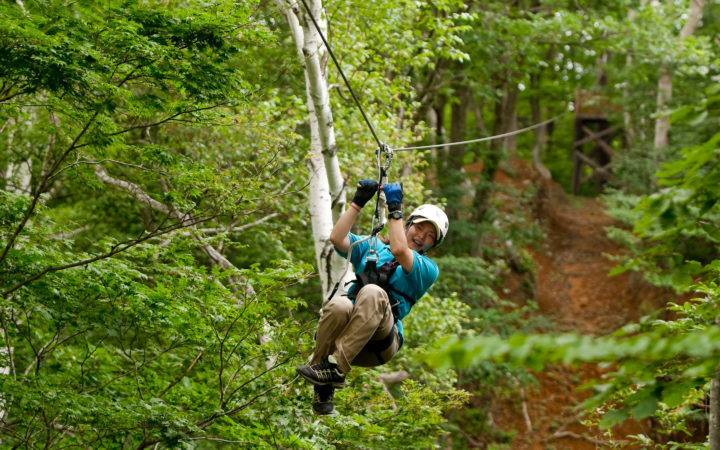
<point>380,345</point>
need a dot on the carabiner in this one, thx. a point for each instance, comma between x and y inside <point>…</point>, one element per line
<point>388,152</point>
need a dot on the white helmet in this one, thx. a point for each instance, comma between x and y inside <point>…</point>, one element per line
<point>434,215</point>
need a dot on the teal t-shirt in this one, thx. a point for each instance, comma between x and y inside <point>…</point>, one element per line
<point>413,284</point>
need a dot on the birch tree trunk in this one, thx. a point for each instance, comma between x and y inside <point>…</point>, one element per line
<point>541,134</point>
<point>327,187</point>
<point>664,94</point>
<point>631,127</point>
<point>662,125</point>
<point>714,421</point>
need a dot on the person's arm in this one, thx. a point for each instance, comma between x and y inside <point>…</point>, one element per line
<point>339,235</point>
<point>399,246</point>
<point>398,240</point>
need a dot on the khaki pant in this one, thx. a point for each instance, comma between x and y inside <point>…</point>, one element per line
<point>344,329</point>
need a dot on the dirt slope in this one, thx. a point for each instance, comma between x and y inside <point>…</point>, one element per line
<point>573,289</point>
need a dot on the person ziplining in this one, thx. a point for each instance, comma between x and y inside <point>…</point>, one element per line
<point>364,328</point>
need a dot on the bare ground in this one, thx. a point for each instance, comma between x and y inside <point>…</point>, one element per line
<point>573,289</point>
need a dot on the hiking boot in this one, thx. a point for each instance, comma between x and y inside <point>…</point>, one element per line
<point>324,374</point>
<point>322,403</point>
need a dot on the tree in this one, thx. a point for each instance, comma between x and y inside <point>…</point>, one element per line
<point>150,211</point>
<point>662,124</point>
<point>113,324</point>
<point>663,367</point>
<point>326,185</point>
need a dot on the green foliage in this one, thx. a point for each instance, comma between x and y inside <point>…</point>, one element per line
<point>155,238</point>
<point>661,368</point>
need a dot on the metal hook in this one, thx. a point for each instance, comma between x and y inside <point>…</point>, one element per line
<point>387,152</point>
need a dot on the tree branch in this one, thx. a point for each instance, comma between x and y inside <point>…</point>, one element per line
<point>77,163</point>
<point>43,185</point>
<point>125,373</point>
<point>160,122</point>
<point>134,189</point>
<point>267,370</point>
<point>570,434</point>
<point>119,248</point>
<point>254,444</point>
<point>69,234</point>
<point>190,367</point>
<point>234,229</point>
<point>210,420</point>
<point>41,350</point>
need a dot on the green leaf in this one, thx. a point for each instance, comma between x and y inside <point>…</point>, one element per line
<point>646,407</point>
<point>612,418</point>
<point>713,232</point>
<point>674,394</point>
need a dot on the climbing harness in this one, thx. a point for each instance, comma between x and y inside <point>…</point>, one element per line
<point>380,276</point>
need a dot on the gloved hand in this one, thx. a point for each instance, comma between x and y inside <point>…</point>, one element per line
<point>393,196</point>
<point>365,191</point>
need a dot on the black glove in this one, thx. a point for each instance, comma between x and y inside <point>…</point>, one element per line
<point>393,196</point>
<point>366,190</point>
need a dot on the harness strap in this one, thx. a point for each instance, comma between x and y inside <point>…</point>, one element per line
<point>380,345</point>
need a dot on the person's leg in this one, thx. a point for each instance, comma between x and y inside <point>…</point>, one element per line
<point>372,355</point>
<point>335,317</point>
<point>371,319</point>
<point>322,402</point>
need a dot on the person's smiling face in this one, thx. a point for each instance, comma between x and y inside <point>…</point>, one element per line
<point>421,236</point>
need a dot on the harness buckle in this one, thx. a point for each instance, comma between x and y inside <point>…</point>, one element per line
<point>372,256</point>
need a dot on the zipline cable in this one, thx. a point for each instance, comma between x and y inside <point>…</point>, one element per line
<point>489,138</point>
<point>342,74</point>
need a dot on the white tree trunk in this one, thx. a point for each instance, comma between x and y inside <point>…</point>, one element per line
<point>664,94</point>
<point>316,80</point>
<point>696,9</point>
<point>662,125</point>
<point>714,419</point>
<point>327,188</point>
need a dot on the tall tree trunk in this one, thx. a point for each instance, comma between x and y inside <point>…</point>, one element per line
<point>662,125</point>
<point>505,121</point>
<point>664,94</point>
<point>313,50</point>
<point>459,111</point>
<point>714,421</point>
<point>508,118</point>
<point>630,130</point>
<point>327,188</point>
<point>437,155</point>
<point>541,134</point>
<point>456,186</point>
